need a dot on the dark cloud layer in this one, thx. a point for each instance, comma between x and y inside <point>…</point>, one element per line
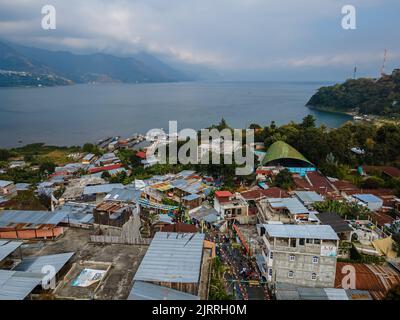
<point>252,39</point>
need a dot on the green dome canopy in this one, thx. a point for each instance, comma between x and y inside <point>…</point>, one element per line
<point>281,152</point>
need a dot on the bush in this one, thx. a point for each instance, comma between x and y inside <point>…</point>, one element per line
<point>284,180</point>
<point>4,155</point>
<point>372,183</point>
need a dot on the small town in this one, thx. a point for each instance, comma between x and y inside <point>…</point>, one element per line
<point>107,221</point>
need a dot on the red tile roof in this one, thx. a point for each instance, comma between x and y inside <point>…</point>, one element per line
<point>390,171</point>
<point>301,183</point>
<point>273,192</point>
<point>141,154</point>
<point>180,227</point>
<point>105,168</point>
<point>319,183</point>
<point>223,194</point>
<point>344,186</point>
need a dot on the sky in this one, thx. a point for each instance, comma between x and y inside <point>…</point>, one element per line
<point>239,39</point>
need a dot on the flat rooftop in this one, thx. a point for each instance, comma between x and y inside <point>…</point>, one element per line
<point>125,260</point>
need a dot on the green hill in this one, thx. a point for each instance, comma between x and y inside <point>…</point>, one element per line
<point>366,96</point>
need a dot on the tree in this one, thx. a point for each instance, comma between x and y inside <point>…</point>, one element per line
<point>284,180</point>
<point>308,121</point>
<point>91,148</point>
<point>47,167</point>
<point>372,183</point>
<point>105,175</point>
<point>396,244</point>
<point>4,155</point>
<point>254,126</point>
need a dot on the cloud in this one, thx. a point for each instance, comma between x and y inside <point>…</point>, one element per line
<point>226,34</point>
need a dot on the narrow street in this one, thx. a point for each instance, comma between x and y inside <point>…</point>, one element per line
<point>243,276</point>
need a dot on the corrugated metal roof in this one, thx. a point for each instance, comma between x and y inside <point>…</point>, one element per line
<point>16,285</point>
<point>34,217</point>
<point>172,257</point>
<point>323,232</point>
<point>122,194</point>
<point>77,212</point>
<point>101,188</point>
<point>191,197</point>
<point>148,291</point>
<point>308,196</point>
<point>292,204</point>
<point>8,247</point>
<point>35,264</point>
<point>374,278</point>
<point>367,198</point>
<point>4,183</point>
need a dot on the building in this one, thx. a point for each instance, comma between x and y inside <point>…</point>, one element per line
<point>148,291</point>
<point>232,206</point>
<point>112,213</point>
<point>88,158</point>
<point>7,189</point>
<point>285,291</point>
<point>285,209</point>
<point>308,198</point>
<point>283,155</point>
<point>20,224</point>
<point>98,192</point>
<point>177,261</point>
<point>375,279</point>
<point>179,227</point>
<point>339,225</point>
<point>303,255</point>
<point>372,202</point>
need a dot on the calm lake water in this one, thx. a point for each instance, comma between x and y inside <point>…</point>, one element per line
<point>73,115</point>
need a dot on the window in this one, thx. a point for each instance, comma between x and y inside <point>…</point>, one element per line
<point>315,259</point>
<point>317,241</point>
<point>293,243</point>
<point>301,242</point>
<point>313,276</point>
<point>309,241</point>
<point>270,272</point>
<point>292,257</point>
<point>271,255</point>
<point>290,274</point>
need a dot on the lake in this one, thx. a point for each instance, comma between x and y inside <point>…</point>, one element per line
<point>73,115</point>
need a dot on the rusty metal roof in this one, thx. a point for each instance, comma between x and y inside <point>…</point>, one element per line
<point>374,278</point>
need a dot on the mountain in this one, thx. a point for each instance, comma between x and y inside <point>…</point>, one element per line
<point>367,96</point>
<point>79,68</point>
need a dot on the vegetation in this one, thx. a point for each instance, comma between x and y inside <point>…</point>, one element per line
<point>396,245</point>
<point>4,155</point>
<point>22,175</point>
<point>393,293</point>
<point>217,284</point>
<point>26,200</point>
<point>367,96</point>
<point>357,257</point>
<point>330,149</point>
<point>284,180</point>
<point>349,211</point>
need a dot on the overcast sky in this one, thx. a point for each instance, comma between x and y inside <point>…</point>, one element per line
<point>241,39</point>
